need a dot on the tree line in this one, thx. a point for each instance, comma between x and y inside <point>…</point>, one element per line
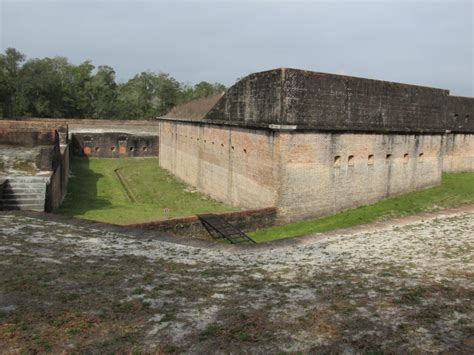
<point>53,87</point>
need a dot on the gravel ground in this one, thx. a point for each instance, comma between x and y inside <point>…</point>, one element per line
<point>403,288</point>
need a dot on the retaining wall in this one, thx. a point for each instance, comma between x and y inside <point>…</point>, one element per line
<point>114,145</point>
<point>246,221</point>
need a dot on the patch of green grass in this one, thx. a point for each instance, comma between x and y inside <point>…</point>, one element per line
<point>457,189</point>
<point>96,193</point>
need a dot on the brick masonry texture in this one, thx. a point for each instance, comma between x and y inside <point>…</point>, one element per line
<point>114,145</point>
<point>303,174</point>
<point>458,153</point>
<point>312,100</point>
<point>323,173</point>
<point>234,165</point>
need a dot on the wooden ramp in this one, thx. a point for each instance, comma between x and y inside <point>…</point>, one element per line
<point>218,228</point>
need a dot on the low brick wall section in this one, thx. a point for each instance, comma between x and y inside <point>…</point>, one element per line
<point>246,221</point>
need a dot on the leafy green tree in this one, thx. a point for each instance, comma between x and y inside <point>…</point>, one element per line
<point>9,67</point>
<point>200,90</point>
<point>148,95</point>
<point>53,87</point>
<point>102,93</point>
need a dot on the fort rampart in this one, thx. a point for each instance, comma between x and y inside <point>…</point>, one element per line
<point>312,144</point>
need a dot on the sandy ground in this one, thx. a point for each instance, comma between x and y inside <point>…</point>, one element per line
<point>404,288</point>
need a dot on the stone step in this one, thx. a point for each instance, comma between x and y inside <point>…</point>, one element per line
<point>39,208</point>
<point>20,193</point>
<point>32,190</point>
<point>25,184</point>
<point>27,179</point>
<point>22,201</point>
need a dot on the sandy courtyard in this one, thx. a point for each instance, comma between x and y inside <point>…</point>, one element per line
<point>407,287</point>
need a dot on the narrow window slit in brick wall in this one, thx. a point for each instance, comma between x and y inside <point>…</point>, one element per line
<point>370,159</point>
<point>350,160</point>
<point>337,161</point>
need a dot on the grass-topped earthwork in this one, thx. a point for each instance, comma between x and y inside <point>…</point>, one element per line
<point>457,189</point>
<point>130,190</point>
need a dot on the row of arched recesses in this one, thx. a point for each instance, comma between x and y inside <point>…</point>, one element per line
<point>113,148</point>
<point>457,115</point>
<point>371,159</point>
<point>244,150</point>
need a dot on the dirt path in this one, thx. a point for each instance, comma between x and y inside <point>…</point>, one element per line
<point>402,288</point>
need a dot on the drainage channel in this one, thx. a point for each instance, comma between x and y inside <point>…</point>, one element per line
<point>128,190</point>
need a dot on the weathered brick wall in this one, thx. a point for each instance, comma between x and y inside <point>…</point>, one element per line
<point>27,138</point>
<point>37,126</point>
<point>233,165</point>
<point>458,153</point>
<point>255,99</point>
<point>460,114</point>
<point>303,174</point>
<point>323,173</point>
<point>332,102</point>
<point>114,145</point>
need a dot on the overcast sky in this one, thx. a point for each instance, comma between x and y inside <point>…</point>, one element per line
<point>419,42</point>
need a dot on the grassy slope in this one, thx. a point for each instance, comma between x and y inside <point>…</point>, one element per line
<point>96,193</point>
<point>456,190</point>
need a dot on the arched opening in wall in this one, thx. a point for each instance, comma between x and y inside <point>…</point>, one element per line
<point>233,148</point>
<point>467,116</point>
<point>245,151</point>
<point>370,159</point>
<point>456,115</point>
<point>112,149</point>
<point>97,149</point>
<point>337,161</point>
<point>388,158</point>
<point>222,145</point>
<point>350,160</point>
<point>405,158</point>
<point>145,148</point>
<point>420,157</point>
<point>132,149</point>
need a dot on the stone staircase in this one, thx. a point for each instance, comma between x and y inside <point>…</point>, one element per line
<point>23,193</point>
